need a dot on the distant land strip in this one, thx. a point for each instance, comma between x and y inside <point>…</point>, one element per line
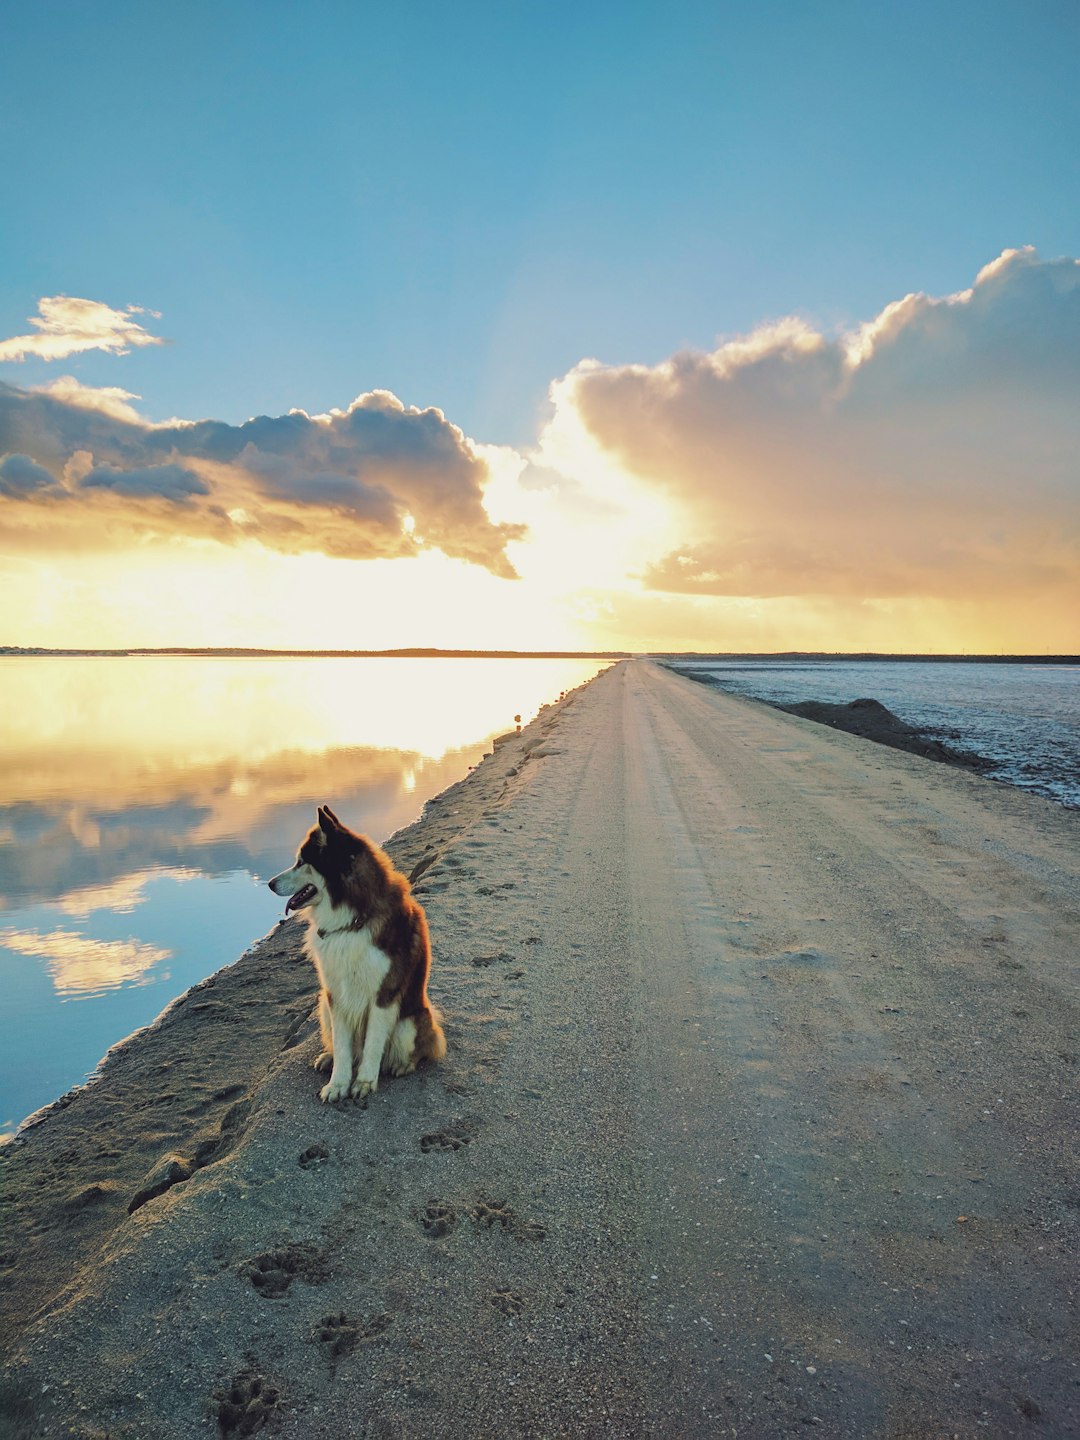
<point>826,657</point>
<point>433,653</point>
<point>252,653</point>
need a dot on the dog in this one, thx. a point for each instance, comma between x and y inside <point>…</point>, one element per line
<point>368,939</point>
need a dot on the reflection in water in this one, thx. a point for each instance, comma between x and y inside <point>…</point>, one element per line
<point>109,766</point>
<point>81,849</point>
<point>119,896</point>
<point>81,966</point>
<point>143,801</point>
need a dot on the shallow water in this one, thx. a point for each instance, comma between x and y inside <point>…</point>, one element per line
<point>1024,718</point>
<point>145,801</point>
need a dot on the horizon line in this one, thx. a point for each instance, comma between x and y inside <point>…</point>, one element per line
<point>239,652</point>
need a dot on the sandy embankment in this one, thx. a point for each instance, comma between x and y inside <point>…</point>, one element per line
<point>759,1114</point>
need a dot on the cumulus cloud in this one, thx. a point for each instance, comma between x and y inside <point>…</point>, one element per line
<point>933,453</point>
<point>66,325</point>
<point>376,480</point>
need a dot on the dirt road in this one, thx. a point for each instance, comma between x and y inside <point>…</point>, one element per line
<point>760,1114</point>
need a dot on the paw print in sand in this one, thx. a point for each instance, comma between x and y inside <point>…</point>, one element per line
<point>249,1403</point>
<point>507,1302</point>
<point>438,1219</point>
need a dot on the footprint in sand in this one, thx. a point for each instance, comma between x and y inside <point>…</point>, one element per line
<point>491,1213</point>
<point>453,1137</point>
<point>438,1219</point>
<point>249,1403</point>
<point>273,1272</point>
<point>313,1157</point>
<point>507,1302</point>
<point>340,1334</point>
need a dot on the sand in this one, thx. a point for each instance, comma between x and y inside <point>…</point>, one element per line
<point>759,1114</point>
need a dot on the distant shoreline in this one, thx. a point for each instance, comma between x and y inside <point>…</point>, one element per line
<point>252,653</point>
<point>433,653</point>
<point>827,657</point>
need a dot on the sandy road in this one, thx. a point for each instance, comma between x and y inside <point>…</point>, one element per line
<point>760,1114</point>
<point>858,1021</point>
<point>848,1092</point>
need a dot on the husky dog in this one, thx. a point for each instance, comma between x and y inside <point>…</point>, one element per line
<point>368,939</point>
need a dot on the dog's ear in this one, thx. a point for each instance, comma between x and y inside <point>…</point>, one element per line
<point>328,820</point>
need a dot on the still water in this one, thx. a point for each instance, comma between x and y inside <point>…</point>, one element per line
<point>145,801</point>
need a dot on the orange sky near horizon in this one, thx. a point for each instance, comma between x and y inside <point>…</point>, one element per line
<point>909,485</point>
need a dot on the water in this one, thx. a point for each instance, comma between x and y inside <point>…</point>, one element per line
<point>145,801</point>
<point>1024,718</point>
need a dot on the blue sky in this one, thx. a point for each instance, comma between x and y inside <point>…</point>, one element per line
<point>460,202</point>
<point>725,205</point>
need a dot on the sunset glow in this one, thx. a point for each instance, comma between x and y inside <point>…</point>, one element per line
<point>635,406</point>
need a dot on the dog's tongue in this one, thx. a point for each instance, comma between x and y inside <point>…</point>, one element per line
<point>302,896</point>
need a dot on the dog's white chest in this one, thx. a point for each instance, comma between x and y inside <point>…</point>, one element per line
<point>351,966</point>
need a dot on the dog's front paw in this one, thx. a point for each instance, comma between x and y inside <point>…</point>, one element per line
<point>323,1061</point>
<point>333,1090</point>
<point>361,1087</point>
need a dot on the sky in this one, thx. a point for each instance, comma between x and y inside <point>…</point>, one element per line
<point>621,326</point>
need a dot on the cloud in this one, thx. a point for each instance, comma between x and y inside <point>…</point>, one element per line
<point>172,482</point>
<point>109,399</point>
<point>376,480</point>
<point>19,475</point>
<point>933,453</point>
<point>66,325</point>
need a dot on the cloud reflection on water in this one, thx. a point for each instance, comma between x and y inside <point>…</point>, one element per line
<point>92,852</point>
<point>80,965</point>
<point>119,897</point>
<point>113,768</point>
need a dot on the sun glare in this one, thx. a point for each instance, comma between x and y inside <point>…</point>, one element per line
<point>102,719</point>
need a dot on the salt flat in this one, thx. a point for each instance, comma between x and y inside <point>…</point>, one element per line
<point>760,1113</point>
